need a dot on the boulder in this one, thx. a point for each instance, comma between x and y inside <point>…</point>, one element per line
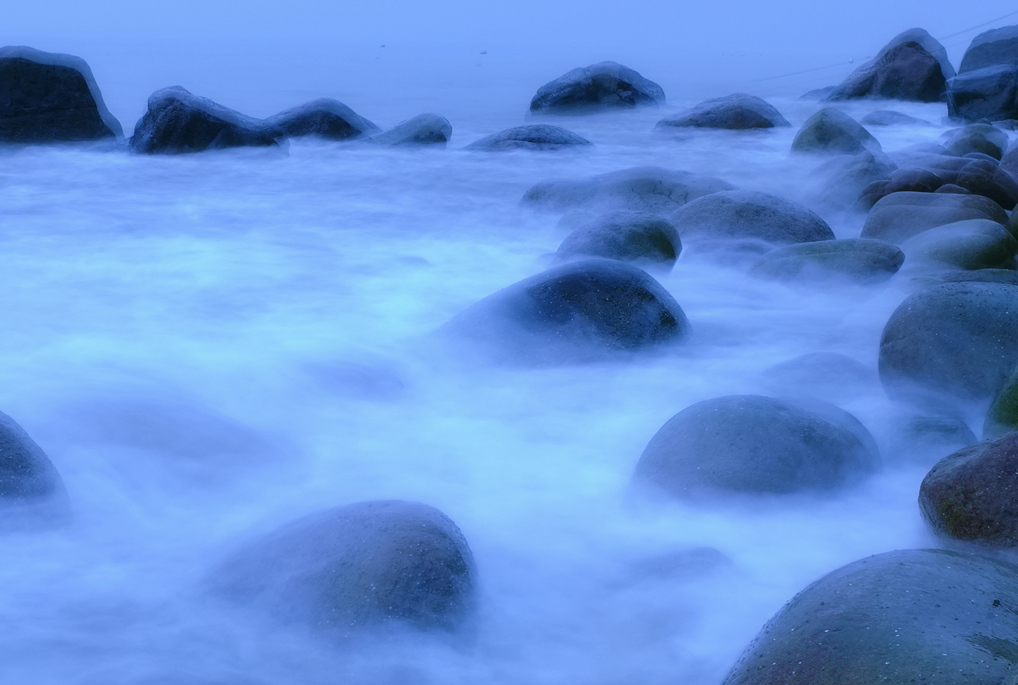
<point>749,444</point>
<point>991,48</point>
<point>953,341</point>
<point>826,375</point>
<point>933,158</point>
<point>640,189</point>
<point>909,616</point>
<point>990,93</point>
<point>927,439</point>
<point>973,244</point>
<point>888,117</point>
<point>47,97</point>
<point>983,138</point>
<point>832,131</point>
<point>1002,416</point>
<point>423,129</point>
<point>627,236</point>
<point>364,565</point>
<point>854,260</point>
<point>898,181</point>
<point>901,215</point>
<point>735,112</point>
<point>178,122</point>
<point>840,180</point>
<point>910,67</point>
<point>986,178</point>
<point>533,137</point>
<point>324,118</point>
<point>1005,276</point>
<point>580,311</point>
<point>1009,162</point>
<point>952,189</point>
<point>26,474</point>
<point>599,87</point>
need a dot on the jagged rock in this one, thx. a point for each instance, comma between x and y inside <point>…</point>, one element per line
<point>899,216</point>
<point>533,137</point>
<point>627,236</point>
<point>910,67</point>
<point>325,118</point>
<point>855,260</point>
<point>832,131</point>
<point>737,112</point>
<point>991,48</point>
<point>602,86</point>
<point>990,93</point>
<point>423,129</point>
<point>973,244</point>
<point>887,117</point>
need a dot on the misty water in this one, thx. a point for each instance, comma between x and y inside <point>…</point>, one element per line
<point>209,346</point>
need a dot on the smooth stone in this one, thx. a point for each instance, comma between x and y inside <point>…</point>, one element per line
<point>325,118</point>
<point>1005,276</point>
<point>48,97</point>
<point>899,216</point>
<point>734,112</point>
<point>900,181</point>
<point>817,93</point>
<point>928,439</point>
<point>828,376</point>
<point>908,616</point>
<point>856,260</point>
<point>370,564</point>
<point>1002,416</point>
<point>599,87</point>
<point>950,188</point>
<point>991,48</point>
<point>1009,162</point>
<point>990,93</point>
<point>423,129</point>
<point>973,244</point>
<point>909,67</point>
<point>532,137</point>
<point>640,189</point>
<point>976,138</point>
<point>888,117</point>
<point>750,444</point>
<point>832,131</point>
<point>842,179</point>
<point>26,473</point>
<point>982,177</point>
<point>627,236</point>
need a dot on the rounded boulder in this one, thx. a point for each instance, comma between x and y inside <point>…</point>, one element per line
<point>599,87</point>
<point>627,236</point>
<point>734,112</point>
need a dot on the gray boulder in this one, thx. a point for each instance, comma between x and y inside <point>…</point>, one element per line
<point>900,216</point>
<point>971,245</point>
<point>1002,416</point>
<point>832,131</point>
<point>855,260</point>
<point>736,112</point>
<point>325,118</point>
<point>532,137</point>
<point>627,236</point>
<point>371,564</point>
<point>423,129</point>
<point>47,97</point>
<point>913,66</point>
<point>599,87</point>
<point>909,616</point>
<point>888,117</point>
<point>757,445</point>
<point>983,138</point>
<point>580,311</point>
<point>986,178</point>
<point>990,93</point>
<point>900,181</point>
<point>991,48</point>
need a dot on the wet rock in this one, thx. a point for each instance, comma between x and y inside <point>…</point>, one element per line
<point>982,177</point>
<point>973,244</point>
<point>832,131</point>
<point>751,444</point>
<point>983,138</point>
<point>423,129</point>
<point>1009,162</point>
<point>364,565</point>
<point>928,439</point>
<point>1005,276</point>
<point>951,341</point>
<point>952,189</point>
<point>841,180</point>
<point>826,375</point>
<point>26,473</point>
<point>533,137</point>
<point>47,97</point>
<point>599,87</point>
<point>179,122</point>
<point>324,118</point>
<point>910,67</point>
<point>907,616</point>
<point>855,260</point>
<point>900,216</point>
<point>580,311</point>
<point>640,189</point>
<point>909,180</point>
<point>1002,416</point>
<point>888,117</point>
<point>736,112</point>
<point>990,93</point>
<point>991,48</point>
<point>627,236</point>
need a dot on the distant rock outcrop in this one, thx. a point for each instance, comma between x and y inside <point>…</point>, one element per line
<point>532,137</point>
<point>736,112</point>
<point>602,86</point>
<point>324,118</point>
<point>423,129</point>
<point>832,131</point>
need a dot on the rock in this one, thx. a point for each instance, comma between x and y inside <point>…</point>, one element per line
<point>901,215</point>
<point>178,122</point>
<point>887,117</point>
<point>640,189</point>
<point>856,260</point>
<point>627,236</point>
<point>825,375</point>
<point>952,341</point>
<point>899,181</point>
<point>832,131</point>
<point>602,86</point>
<point>976,138</point>
<point>736,112</point>
<point>841,179</point>
<point>324,118</point>
<point>423,129</point>
<point>357,566</point>
<point>756,445</point>
<point>533,137</point>
<point>986,178</point>
<point>26,473</point>
<point>991,48</point>
<point>973,244</point>
<point>909,616</point>
<point>817,93</point>
<point>47,97</point>
<point>580,311</point>
<point>910,67</point>
<point>990,93</point>
<point>1009,162</point>
<point>952,189</point>
<point>928,439</point>
<point>934,159</point>
<point>1002,416</point>
<point>1005,276</point>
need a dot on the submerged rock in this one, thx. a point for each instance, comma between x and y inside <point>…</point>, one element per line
<point>888,117</point>
<point>913,66</point>
<point>627,236</point>
<point>909,180</point>
<point>899,216</point>
<point>973,244</point>
<point>602,86</point>
<point>48,97</point>
<point>976,138</point>
<point>832,131</point>
<point>856,260</point>
<point>828,376</point>
<point>841,179</point>
<point>325,118</point>
<point>423,129</point>
<point>736,112</point>
<point>928,439</point>
<point>533,137</point>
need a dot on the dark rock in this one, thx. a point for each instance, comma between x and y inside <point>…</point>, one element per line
<point>533,137</point>
<point>737,112</point>
<point>989,180</point>
<point>826,375</point>
<point>627,236</point>
<point>990,93</point>
<point>856,260</point>
<point>900,216</point>
<point>952,189</point>
<point>47,97</point>
<point>580,311</point>
<point>1002,416</point>
<point>973,244</point>
<point>178,122</point>
<point>900,180</point>
<point>991,48</point>
<point>1009,162</point>
<point>976,138</point>
<point>325,118</point>
<point>832,131</point>
<point>907,68</point>
<point>956,340</point>
<point>362,565</point>
<point>423,129</point>
<point>26,473</point>
<point>817,93</point>
<point>602,86</point>
<point>932,158</point>
<point>640,189</point>
<point>1005,276</point>
<point>909,616</point>
<point>756,445</point>
<point>887,117</point>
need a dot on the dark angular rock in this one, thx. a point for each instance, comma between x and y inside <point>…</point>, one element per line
<point>736,112</point>
<point>855,260</point>
<point>627,236</point>
<point>363,565</point>
<point>324,118</point>
<point>748,215</point>
<point>907,68</point>
<point>909,616</point>
<point>888,117</point>
<point>47,97</point>
<point>990,93</point>
<point>899,216</point>
<point>991,48</point>
<point>532,137</point>
<point>832,131</point>
<point>602,86</point>
<point>423,129</point>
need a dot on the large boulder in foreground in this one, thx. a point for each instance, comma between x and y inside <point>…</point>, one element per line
<point>371,564</point>
<point>48,97</point>
<point>627,236</point>
<point>734,112</point>
<point>899,216</point>
<point>599,87</point>
<point>178,121</point>
<point>750,444</point>
<point>910,616</point>
<point>325,118</point>
<point>423,129</point>
<point>852,260</point>
<point>832,131</point>
<point>991,48</point>
<point>531,137</point>
<point>580,311</point>
<point>913,66</point>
